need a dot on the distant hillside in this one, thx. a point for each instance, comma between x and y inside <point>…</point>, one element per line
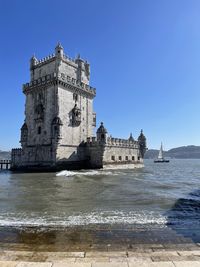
<point>183,152</point>
<point>5,154</point>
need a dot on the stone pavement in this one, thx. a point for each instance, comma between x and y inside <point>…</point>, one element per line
<point>182,255</point>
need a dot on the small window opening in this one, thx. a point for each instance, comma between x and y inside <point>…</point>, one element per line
<point>138,158</point>
<point>133,158</point>
<point>102,136</point>
<point>39,130</point>
<point>75,97</point>
<point>126,157</point>
<point>113,158</point>
<point>120,157</point>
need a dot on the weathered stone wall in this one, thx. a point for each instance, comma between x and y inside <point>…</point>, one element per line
<point>43,68</point>
<point>120,154</point>
<point>33,123</point>
<point>103,154</point>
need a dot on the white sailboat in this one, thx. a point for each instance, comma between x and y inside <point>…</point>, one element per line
<point>160,158</point>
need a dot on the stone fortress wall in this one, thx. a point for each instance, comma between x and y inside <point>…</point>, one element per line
<point>105,150</point>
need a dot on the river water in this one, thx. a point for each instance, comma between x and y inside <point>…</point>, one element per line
<point>159,196</point>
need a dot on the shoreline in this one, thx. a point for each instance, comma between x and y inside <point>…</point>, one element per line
<point>95,237</point>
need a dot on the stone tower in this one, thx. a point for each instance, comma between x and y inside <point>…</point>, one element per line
<point>58,112</point>
<point>58,131</point>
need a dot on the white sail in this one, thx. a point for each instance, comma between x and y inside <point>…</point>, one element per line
<point>160,155</point>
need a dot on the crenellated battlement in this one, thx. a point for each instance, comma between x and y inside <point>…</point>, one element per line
<point>16,150</point>
<point>60,78</point>
<point>121,142</point>
<point>110,141</point>
<point>35,63</point>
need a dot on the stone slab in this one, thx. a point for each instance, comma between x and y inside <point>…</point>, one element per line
<point>189,253</point>
<point>64,254</point>
<point>164,253</point>
<point>105,254</point>
<point>67,264</point>
<point>118,259</point>
<point>92,259</point>
<point>139,259</point>
<point>186,263</point>
<point>34,264</point>
<point>63,262</point>
<point>152,264</point>
<point>8,263</point>
<point>110,264</point>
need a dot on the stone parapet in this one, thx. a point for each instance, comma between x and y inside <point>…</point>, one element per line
<point>40,62</point>
<point>121,142</point>
<point>52,57</point>
<point>117,142</point>
<point>16,155</point>
<point>62,79</point>
<point>16,151</point>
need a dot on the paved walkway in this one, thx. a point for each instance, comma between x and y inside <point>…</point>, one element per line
<point>156,256</point>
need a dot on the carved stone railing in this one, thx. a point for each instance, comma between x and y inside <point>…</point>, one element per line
<point>51,57</point>
<point>62,78</point>
<point>117,142</point>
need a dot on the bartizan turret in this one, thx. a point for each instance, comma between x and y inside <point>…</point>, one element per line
<point>102,133</point>
<point>142,144</point>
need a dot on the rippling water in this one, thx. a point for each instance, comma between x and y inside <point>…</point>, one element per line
<point>157,195</point>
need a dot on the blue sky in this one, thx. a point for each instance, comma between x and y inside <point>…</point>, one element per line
<point>144,56</point>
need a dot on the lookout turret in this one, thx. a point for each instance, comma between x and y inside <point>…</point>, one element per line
<point>33,62</point>
<point>142,144</point>
<point>131,139</point>
<point>102,133</point>
<point>59,51</point>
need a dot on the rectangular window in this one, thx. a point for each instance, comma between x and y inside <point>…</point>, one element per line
<point>138,158</point>
<point>133,158</point>
<point>39,130</point>
<point>120,157</point>
<point>75,97</point>
<point>113,158</point>
<point>126,157</point>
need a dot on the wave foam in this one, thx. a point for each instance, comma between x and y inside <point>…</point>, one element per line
<point>80,173</point>
<point>118,217</point>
